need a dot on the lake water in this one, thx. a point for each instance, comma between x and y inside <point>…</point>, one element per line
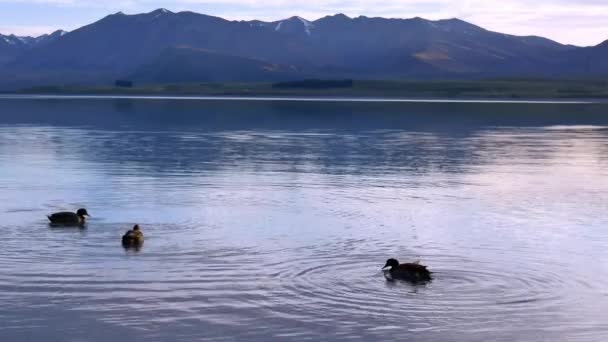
<point>271,220</point>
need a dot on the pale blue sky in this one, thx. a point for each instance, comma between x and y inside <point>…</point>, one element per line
<point>580,22</point>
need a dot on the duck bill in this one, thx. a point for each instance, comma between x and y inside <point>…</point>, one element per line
<point>387,268</point>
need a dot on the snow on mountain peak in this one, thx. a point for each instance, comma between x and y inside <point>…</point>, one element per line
<point>8,41</point>
<point>307,25</point>
<point>160,12</point>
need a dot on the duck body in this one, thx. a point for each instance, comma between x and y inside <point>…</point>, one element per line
<point>67,218</point>
<point>133,237</point>
<point>411,272</point>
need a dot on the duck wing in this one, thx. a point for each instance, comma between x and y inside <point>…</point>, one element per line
<point>414,268</point>
<point>139,237</point>
<point>414,272</point>
<point>132,237</point>
<point>64,217</point>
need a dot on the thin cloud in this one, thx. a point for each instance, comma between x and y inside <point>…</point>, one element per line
<point>27,30</point>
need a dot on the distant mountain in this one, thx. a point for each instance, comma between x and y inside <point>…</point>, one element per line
<point>12,46</point>
<point>588,61</point>
<point>47,38</point>
<point>162,46</point>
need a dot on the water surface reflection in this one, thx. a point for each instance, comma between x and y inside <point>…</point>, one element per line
<point>272,220</point>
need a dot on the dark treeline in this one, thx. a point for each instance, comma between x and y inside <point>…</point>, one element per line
<point>315,84</point>
<point>123,84</point>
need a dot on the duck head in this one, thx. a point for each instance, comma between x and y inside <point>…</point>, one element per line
<point>136,227</point>
<point>82,212</point>
<point>390,263</point>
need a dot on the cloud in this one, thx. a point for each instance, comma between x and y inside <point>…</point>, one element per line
<point>583,22</point>
<point>27,30</point>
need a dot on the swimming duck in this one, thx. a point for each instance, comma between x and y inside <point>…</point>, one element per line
<point>412,272</point>
<point>133,237</point>
<point>69,219</point>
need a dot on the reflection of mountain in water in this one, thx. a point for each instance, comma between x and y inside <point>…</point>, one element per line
<point>189,137</point>
<point>215,115</point>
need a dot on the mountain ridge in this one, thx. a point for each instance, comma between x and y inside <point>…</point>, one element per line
<point>335,46</point>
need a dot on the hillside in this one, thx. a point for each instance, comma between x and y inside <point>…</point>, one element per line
<point>184,64</point>
<point>162,46</point>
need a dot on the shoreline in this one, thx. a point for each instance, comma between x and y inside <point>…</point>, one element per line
<point>450,91</point>
<point>292,98</point>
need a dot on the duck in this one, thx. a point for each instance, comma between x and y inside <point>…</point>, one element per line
<point>67,218</point>
<point>133,237</point>
<point>412,272</point>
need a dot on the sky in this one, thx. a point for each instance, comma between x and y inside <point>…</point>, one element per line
<point>578,22</point>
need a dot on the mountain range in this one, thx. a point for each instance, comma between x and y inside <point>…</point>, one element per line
<point>12,46</point>
<point>166,47</point>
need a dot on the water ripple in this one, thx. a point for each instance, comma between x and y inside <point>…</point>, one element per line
<point>279,232</point>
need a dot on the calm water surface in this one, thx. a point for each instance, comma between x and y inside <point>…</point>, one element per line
<point>271,220</point>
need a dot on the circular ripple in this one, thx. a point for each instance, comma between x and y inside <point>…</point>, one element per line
<point>464,294</point>
<point>179,281</point>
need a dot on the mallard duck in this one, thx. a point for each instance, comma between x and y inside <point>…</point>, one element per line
<point>69,219</point>
<point>412,272</point>
<point>133,237</point>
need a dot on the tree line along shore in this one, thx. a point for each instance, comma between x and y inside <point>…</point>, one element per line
<point>495,88</point>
